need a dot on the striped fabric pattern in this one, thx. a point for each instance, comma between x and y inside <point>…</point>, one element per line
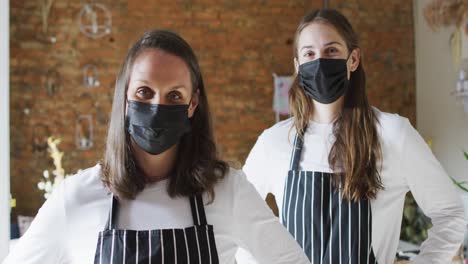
<point>328,228</point>
<point>192,245</point>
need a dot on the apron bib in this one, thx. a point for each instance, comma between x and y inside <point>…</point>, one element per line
<point>195,245</point>
<point>329,229</point>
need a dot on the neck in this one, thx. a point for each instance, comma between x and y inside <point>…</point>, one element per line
<point>326,113</point>
<point>155,167</point>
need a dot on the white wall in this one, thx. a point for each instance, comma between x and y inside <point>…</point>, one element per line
<point>439,115</point>
<point>4,129</point>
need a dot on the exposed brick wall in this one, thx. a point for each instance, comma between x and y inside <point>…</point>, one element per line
<point>239,43</point>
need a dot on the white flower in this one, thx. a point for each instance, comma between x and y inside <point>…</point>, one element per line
<point>46,174</point>
<point>48,186</point>
<point>41,185</point>
<point>46,195</point>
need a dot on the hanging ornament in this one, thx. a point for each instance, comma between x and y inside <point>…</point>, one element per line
<point>84,132</point>
<point>443,13</point>
<point>53,82</point>
<point>40,133</point>
<point>95,20</point>
<point>90,76</point>
<point>44,35</point>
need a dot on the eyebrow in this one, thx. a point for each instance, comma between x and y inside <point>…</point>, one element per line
<point>176,87</point>
<point>142,81</point>
<point>328,44</point>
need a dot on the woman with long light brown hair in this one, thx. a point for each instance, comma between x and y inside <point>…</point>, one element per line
<point>340,168</point>
<point>161,194</point>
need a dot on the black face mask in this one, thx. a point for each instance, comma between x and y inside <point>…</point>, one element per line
<point>155,127</point>
<point>325,80</point>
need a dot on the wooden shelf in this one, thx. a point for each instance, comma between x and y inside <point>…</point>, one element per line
<point>459,94</point>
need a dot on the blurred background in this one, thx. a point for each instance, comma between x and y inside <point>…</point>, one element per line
<point>63,56</point>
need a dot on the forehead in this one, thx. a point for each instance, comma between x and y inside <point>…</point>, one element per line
<point>160,66</point>
<point>318,34</point>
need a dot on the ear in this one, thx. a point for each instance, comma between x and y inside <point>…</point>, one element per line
<point>354,59</point>
<point>296,66</point>
<point>193,105</point>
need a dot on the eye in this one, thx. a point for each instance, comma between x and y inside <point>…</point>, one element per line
<point>332,51</point>
<point>308,54</point>
<point>144,93</point>
<point>175,97</point>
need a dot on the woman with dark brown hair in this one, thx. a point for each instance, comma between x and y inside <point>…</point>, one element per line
<point>340,169</point>
<point>161,194</point>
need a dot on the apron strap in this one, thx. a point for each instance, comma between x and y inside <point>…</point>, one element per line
<point>113,212</point>
<point>198,210</point>
<point>296,153</point>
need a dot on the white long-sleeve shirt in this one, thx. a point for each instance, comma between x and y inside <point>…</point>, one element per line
<point>408,165</point>
<point>66,227</point>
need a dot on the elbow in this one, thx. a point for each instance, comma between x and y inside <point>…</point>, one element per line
<point>458,219</point>
<point>451,221</point>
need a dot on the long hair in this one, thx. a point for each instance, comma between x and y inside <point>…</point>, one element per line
<point>198,166</point>
<point>356,153</point>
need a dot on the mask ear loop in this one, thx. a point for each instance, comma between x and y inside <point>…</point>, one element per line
<point>349,56</point>
<point>190,102</point>
<point>191,98</point>
<point>351,72</point>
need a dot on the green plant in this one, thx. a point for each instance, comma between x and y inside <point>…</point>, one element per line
<point>461,184</point>
<point>415,224</point>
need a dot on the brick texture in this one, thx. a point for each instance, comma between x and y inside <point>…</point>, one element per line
<point>239,43</point>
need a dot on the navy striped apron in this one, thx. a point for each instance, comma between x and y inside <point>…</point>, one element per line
<point>194,245</point>
<point>329,229</point>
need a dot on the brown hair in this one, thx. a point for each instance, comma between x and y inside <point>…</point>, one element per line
<point>198,166</point>
<point>356,152</point>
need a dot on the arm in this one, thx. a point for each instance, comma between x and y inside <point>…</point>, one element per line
<point>44,240</point>
<point>256,167</point>
<point>436,195</point>
<point>259,231</point>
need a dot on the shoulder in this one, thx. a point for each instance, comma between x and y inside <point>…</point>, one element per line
<point>280,128</point>
<point>230,180</point>
<point>227,188</point>
<point>282,131</point>
<point>85,186</point>
<point>391,126</point>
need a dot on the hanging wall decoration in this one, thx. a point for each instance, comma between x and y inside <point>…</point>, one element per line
<point>102,117</point>
<point>53,82</point>
<point>40,133</point>
<point>90,76</point>
<point>461,90</point>
<point>444,13</point>
<point>281,84</point>
<point>95,20</point>
<point>44,35</point>
<point>84,134</point>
